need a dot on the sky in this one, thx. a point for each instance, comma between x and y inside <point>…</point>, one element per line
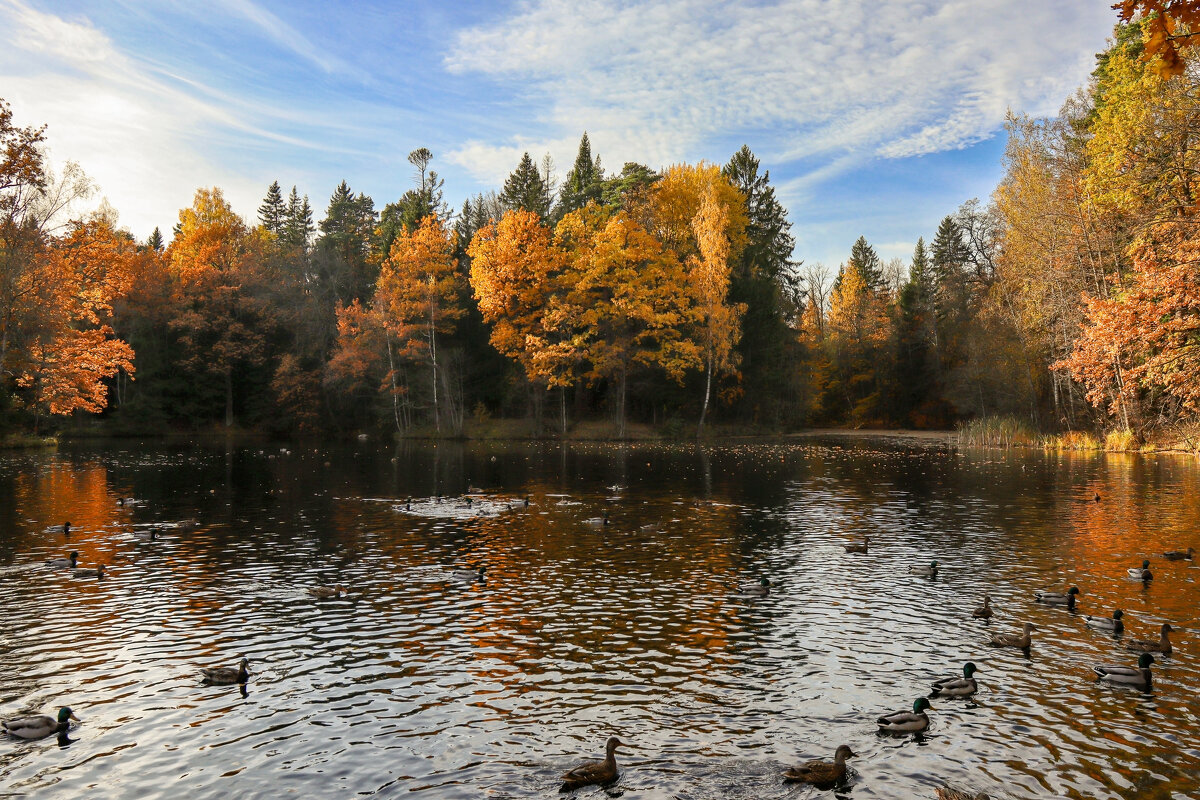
<point>875,118</point>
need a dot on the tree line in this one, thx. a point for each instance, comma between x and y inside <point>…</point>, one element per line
<point>671,297</point>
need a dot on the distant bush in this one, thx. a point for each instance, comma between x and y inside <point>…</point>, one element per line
<point>1123,440</point>
<point>996,432</point>
<point>1072,440</point>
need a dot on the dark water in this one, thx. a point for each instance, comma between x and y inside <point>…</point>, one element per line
<point>421,683</point>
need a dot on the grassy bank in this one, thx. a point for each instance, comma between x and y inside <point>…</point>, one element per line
<point>1015,432</point>
<point>26,441</point>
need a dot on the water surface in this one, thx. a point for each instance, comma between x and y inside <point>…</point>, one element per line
<point>423,683</point>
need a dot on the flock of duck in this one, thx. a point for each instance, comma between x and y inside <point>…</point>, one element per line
<point>820,773</point>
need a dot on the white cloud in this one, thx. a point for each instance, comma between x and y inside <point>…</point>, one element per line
<point>844,80</point>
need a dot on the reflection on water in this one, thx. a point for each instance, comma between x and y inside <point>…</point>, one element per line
<point>422,680</point>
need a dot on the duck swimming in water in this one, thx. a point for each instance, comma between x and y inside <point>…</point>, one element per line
<point>957,687</point>
<point>984,611</point>
<point>1171,555</point>
<point>93,572</point>
<point>1021,642</point>
<point>1066,598</point>
<point>913,721</point>
<point>1162,645</point>
<point>760,589</point>
<point>1142,574</point>
<point>594,772</point>
<point>38,726</point>
<point>821,773</point>
<point>70,562</point>
<point>224,676</point>
<point>1113,624</point>
<point>1138,677</point>
<point>859,548</point>
<point>926,572</point>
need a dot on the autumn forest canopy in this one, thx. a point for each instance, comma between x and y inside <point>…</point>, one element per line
<point>675,298</point>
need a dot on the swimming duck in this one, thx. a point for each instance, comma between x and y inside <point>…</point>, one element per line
<point>821,773</point>
<point>468,574</point>
<point>1171,555</point>
<point>858,548</point>
<point>594,772</point>
<point>146,536</point>
<point>1163,645</point>
<point>64,529</point>
<point>1142,574</point>
<point>224,676</point>
<point>957,687</point>
<point>598,522</point>
<point>69,562</point>
<point>1066,598</point>
<point>94,572</point>
<point>1113,625</point>
<point>925,572</point>
<point>946,793</point>
<point>1129,676</point>
<point>38,726</point>
<point>326,592</point>
<point>1012,640</point>
<point>907,721</point>
<point>984,611</point>
<point>760,589</point>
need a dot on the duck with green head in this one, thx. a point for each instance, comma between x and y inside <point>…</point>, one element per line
<point>1138,677</point>
<point>39,726</point>
<point>956,686</point>
<point>913,721</point>
<point>925,572</point>
<point>70,562</point>
<point>1066,598</point>
<point>1114,624</point>
<point>1142,574</point>
<point>822,774</point>
<point>761,588</point>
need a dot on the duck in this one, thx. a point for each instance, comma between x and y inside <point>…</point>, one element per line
<point>913,721</point>
<point>93,572</point>
<point>946,793</point>
<point>1128,676</point>
<point>1066,598</point>
<point>1163,645</point>
<point>759,589</point>
<point>1142,574</point>
<point>984,611</point>
<point>1170,555</point>
<point>594,772</point>
<point>598,522</point>
<point>957,687</point>
<point>1021,642</point>
<point>224,676</point>
<point>858,548</point>
<point>64,529</point>
<point>70,561</point>
<point>926,572</point>
<point>1112,625</point>
<point>327,592</point>
<point>468,574</point>
<point>146,536</point>
<point>821,773</point>
<point>39,726</point>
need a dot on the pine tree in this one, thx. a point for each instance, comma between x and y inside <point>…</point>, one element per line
<point>155,242</point>
<point>297,228</point>
<point>272,214</point>
<point>920,274</point>
<point>583,183</point>
<point>950,256</point>
<point>525,189</point>
<point>345,244</point>
<point>864,258</point>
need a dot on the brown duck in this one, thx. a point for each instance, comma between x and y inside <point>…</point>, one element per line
<point>327,592</point>
<point>984,611</point>
<point>1173,555</point>
<point>858,548</point>
<point>822,773</point>
<point>1021,642</point>
<point>1163,645</point>
<point>594,772</point>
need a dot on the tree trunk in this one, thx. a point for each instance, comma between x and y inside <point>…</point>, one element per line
<point>395,388</point>
<point>562,404</point>
<point>229,397</point>
<point>437,422</point>
<point>708,373</point>
<point>621,407</point>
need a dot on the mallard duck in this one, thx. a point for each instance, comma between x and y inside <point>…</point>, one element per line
<point>984,611</point>
<point>1021,642</point>
<point>598,522</point>
<point>38,726</point>
<point>1142,574</point>
<point>593,772</point>
<point>64,529</point>
<point>326,592</point>
<point>1066,598</point>
<point>145,536</point>
<point>946,793</point>
<point>957,687</point>
<point>70,562</point>
<point>759,589</point>
<point>857,548</point>
<point>907,721</point>
<point>223,676</point>
<point>93,572</point>
<point>1112,625</point>
<point>822,773</point>
<point>1170,555</point>
<point>1163,645</point>
<point>468,574</point>
<point>1129,676</point>
<point>926,572</point>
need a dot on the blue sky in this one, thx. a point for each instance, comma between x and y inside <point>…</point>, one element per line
<point>874,117</point>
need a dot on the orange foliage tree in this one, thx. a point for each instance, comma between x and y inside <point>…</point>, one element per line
<point>418,294</point>
<point>214,262</point>
<point>1170,25</point>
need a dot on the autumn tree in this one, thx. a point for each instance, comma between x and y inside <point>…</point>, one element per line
<point>1170,26</point>
<point>526,189</point>
<point>584,182</point>
<point>419,293</point>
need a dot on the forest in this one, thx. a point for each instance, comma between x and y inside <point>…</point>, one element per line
<point>674,301</point>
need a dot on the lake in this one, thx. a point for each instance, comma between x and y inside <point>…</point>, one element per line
<point>419,682</point>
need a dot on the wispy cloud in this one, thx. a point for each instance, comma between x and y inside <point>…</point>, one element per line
<point>846,80</point>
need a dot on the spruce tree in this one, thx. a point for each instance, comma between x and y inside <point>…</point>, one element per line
<point>583,183</point>
<point>272,214</point>
<point>297,227</point>
<point>525,189</point>
<point>155,242</point>
<point>864,258</point>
